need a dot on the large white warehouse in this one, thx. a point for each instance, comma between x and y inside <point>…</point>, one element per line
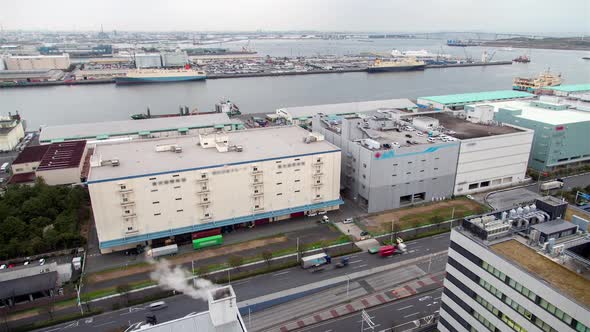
<point>160,188</point>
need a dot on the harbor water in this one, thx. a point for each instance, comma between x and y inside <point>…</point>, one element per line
<point>105,102</point>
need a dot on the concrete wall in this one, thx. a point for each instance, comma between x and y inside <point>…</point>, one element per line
<point>56,177</point>
<point>24,167</point>
<point>490,162</point>
<point>9,141</point>
<point>154,205</point>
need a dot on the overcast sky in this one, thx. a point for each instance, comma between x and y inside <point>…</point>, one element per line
<point>327,15</point>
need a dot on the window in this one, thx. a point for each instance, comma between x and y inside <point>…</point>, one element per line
<point>297,191</point>
<point>125,199</point>
<point>297,170</point>
<point>317,196</point>
<point>176,187</point>
<point>436,168</point>
<point>127,211</point>
<point>154,190</point>
<point>297,180</point>
<point>279,172</point>
<point>255,169</point>
<point>493,290</point>
<point>405,199</point>
<point>409,162</point>
<point>256,206</point>
<point>408,173</point>
<point>203,176</point>
<point>129,228</point>
<point>206,215</point>
<point>279,194</point>
<point>123,187</point>
<point>156,202</point>
<point>278,161</point>
<point>320,160</point>
<point>473,186</point>
<point>485,184</point>
<point>154,183</point>
<point>297,159</point>
<point>178,199</point>
<point>279,183</point>
<point>364,165</point>
<point>157,214</point>
<point>175,175</point>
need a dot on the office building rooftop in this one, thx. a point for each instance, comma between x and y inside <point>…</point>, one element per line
<point>545,112</point>
<point>347,108</point>
<point>185,153</point>
<point>466,130</point>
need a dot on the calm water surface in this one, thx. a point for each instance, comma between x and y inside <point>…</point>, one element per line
<point>74,104</point>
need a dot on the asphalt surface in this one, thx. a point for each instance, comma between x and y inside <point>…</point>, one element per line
<point>181,305</point>
<point>508,198</point>
<point>394,316</point>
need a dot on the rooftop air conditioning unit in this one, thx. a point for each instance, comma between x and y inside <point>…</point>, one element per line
<point>178,149</point>
<point>115,162</point>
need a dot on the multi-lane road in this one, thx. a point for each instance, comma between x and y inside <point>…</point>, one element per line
<point>416,311</point>
<point>252,288</point>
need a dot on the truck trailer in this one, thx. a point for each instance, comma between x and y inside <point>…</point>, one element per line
<point>550,185</point>
<point>163,251</point>
<point>315,260</point>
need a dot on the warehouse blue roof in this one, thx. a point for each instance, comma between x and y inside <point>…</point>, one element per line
<point>467,98</point>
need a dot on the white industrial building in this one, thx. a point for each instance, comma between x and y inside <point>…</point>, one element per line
<point>11,132</point>
<point>393,158</point>
<point>491,156</point>
<point>153,189</point>
<point>148,60</point>
<point>38,62</point>
<point>502,275</point>
<point>139,129</point>
<point>174,59</point>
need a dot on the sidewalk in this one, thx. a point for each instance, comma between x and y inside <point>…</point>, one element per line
<point>409,289</point>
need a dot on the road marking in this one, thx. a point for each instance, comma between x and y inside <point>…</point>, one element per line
<point>89,320</point>
<point>328,331</point>
<point>278,274</point>
<point>436,298</point>
<point>410,315</point>
<point>358,267</point>
<point>74,324</point>
<point>107,323</point>
<point>412,251</point>
<point>357,261</point>
<point>405,307</point>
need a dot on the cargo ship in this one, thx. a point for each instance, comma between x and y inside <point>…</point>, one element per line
<point>160,76</point>
<point>522,59</point>
<point>545,79</point>
<point>399,65</point>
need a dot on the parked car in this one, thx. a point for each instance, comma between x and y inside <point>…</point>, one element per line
<point>469,196</point>
<point>42,261</point>
<point>347,221</point>
<point>419,134</point>
<point>408,136</point>
<point>2,267</point>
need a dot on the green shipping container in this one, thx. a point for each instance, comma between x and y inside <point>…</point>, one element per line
<point>207,241</point>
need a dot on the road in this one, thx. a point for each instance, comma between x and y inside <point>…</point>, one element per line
<point>257,286</point>
<point>391,317</point>
<point>508,198</point>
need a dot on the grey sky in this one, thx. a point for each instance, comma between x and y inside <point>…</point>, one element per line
<point>346,15</point>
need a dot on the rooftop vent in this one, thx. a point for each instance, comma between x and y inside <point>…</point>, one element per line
<point>115,162</point>
<point>168,147</point>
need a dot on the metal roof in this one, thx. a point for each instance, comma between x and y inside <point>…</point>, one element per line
<point>132,127</point>
<point>31,154</point>
<point>28,285</point>
<point>62,155</point>
<point>303,112</point>
<point>554,226</point>
<point>571,87</point>
<point>475,97</point>
<point>544,115</point>
<point>139,158</point>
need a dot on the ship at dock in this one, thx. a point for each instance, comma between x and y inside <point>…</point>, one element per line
<point>138,76</point>
<point>532,84</point>
<point>398,65</point>
<point>224,106</point>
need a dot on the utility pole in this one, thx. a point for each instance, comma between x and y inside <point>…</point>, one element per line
<point>298,249</point>
<point>392,223</point>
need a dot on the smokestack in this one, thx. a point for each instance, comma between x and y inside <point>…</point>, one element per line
<point>222,306</point>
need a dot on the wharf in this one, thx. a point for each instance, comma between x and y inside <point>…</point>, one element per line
<point>262,74</point>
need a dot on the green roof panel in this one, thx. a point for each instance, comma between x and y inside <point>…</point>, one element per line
<point>102,136</point>
<point>465,98</point>
<point>144,133</point>
<point>571,87</point>
<point>182,130</point>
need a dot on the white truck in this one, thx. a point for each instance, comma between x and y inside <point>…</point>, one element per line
<point>162,251</point>
<point>315,260</point>
<point>550,185</point>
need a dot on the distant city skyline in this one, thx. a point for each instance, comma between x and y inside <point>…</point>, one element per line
<point>527,16</point>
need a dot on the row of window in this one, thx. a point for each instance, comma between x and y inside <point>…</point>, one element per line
<point>567,319</point>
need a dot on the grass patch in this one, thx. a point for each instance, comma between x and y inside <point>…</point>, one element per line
<point>421,235</point>
<point>116,268</point>
<point>113,290</point>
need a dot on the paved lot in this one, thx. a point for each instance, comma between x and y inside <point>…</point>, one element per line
<point>511,198</point>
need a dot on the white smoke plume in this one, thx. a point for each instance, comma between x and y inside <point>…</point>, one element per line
<point>177,278</point>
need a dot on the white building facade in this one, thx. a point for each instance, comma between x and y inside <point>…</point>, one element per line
<point>491,162</point>
<point>38,62</point>
<point>147,190</point>
<point>484,291</point>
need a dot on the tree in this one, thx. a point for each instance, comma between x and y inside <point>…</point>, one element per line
<point>124,290</point>
<point>267,256</point>
<point>235,261</point>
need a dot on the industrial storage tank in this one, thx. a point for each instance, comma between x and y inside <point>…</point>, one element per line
<point>519,211</point>
<point>512,213</point>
